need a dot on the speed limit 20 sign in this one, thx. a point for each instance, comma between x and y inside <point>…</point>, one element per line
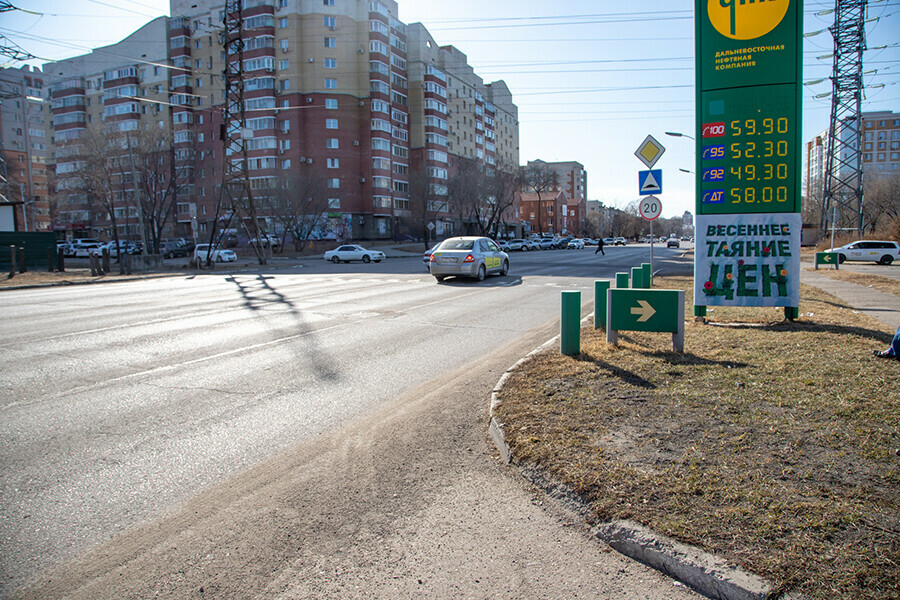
<point>650,208</point>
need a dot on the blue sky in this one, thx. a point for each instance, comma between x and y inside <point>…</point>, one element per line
<point>591,77</point>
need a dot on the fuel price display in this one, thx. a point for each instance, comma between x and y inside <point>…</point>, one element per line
<point>748,142</point>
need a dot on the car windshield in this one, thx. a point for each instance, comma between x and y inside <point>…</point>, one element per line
<point>458,244</point>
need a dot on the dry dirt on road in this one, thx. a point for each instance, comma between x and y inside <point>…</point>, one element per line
<point>411,502</point>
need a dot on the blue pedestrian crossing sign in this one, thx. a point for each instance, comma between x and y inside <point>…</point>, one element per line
<point>650,182</point>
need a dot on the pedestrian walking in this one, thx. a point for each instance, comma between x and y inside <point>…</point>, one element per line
<point>600,247</point>
<point>894,350</point>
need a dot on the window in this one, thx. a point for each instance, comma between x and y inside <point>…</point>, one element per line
<point>330,83</point>
<point>331,103</point>
<point>377,47</point>
<point>331,123</point>
<point>328,2</point>
<point>283,65</point>
<point>285,126</point>
<point>329,22</point>
<point>332,163</point>
<point>401,186</point>
<point>334,203</point>
<point>381,144</point>
<point>332,143</point>
<point>285,45</point>
<point>334,183</point>
<point>331,63</point>
<point>285,84</point>
<point>400,151</point>
<point>380,106</point>
<point>283,23</point>
<point>401,169</point>
<point>330,42</point>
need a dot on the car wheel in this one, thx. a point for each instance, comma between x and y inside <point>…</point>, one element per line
<point>170,255</point>
<point>378,260</point>
<point>886,260</point>
<point>440,278</point>
<point>366,258</point>
<point>841,258</point>
<point>335,259</point>
<point>481,273</point>
<point>220,259</point>
<point>504,269</point>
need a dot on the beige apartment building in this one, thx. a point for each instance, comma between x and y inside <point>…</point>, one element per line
<point>25,147</point>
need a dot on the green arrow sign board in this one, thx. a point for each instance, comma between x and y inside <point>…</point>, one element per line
<point>646,310</point>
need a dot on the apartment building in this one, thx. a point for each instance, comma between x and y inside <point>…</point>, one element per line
<point>572,180</point>
<point>113,91</point>
<point>333,95</point>
<point>25,147</point>
<point>881,143</point>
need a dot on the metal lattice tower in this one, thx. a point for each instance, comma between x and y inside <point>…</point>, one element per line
<point>236,192</point>
<point>843,158</point>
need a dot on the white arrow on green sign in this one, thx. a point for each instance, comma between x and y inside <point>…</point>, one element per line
<point>633,309</point>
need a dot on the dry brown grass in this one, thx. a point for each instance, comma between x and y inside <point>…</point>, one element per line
<point>879,282</point>
<point>773,444</point>
<point>70,276</point>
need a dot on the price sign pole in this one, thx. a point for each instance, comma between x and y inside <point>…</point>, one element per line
<point>748,69</point>
<point>649,183</point>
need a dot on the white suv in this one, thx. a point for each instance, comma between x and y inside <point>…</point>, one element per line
<point>882,252</point>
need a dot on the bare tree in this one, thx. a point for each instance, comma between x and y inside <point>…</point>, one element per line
<point>470,193</point>
<point>882,202</point>
<point>540,178</point>
<point>159,179</point>
<point>299,204</point>
<point>427,200</point>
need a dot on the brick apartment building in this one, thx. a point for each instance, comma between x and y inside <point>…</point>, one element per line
<point>340,91</point>
<point>566,219</point>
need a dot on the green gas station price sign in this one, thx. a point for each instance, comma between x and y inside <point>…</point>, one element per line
<point>748,106</point>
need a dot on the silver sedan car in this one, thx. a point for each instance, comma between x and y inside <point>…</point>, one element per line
<point>474,257</point>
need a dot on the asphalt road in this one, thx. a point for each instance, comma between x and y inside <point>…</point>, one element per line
<point>319,432</point>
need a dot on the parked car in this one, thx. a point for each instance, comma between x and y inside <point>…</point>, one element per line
<point>882,252</point>
<point>531,244</point>
<point>218,255</point>
<point>517,244</point>
<point>349,252</point>
<point>547,243</point>
<point>609,241</point>
<point>172,249</point>
<point>673,242</point>
<point>474,257</point>
<point>576,244</point>
<point>620,241</point>
<point>504,245</point>
<point>266,241</point>
<point>83,249</point>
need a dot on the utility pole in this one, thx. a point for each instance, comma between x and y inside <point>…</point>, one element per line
<point>843,158</point>
<point>236,169</point>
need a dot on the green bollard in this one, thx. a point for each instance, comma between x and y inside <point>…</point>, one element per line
<point>570,324</point>
<point>637,277</point>
<point>621,281</point>
<point>699,311</point>
<point>648,275</point>
<point>600,289</point>
<point>792,313</point>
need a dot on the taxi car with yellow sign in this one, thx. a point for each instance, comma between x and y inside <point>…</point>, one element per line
<point>474,257</point>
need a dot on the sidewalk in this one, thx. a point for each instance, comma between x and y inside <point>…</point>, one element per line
<point>874,303</point>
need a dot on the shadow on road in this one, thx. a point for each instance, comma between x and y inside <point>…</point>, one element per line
<point>259,294</point>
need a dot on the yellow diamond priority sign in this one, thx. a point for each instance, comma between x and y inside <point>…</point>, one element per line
<point>649,151</point>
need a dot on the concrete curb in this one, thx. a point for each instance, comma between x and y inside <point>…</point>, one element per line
<point>710,575</point>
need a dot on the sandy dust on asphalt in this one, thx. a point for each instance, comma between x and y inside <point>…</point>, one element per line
<point>410,502</point>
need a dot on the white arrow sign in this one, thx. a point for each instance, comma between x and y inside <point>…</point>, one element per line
<point>645,310</point>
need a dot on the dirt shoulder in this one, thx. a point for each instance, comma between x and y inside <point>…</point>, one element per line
<point>775,445</point>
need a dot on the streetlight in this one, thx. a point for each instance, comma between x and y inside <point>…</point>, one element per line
<point>679,134</point>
